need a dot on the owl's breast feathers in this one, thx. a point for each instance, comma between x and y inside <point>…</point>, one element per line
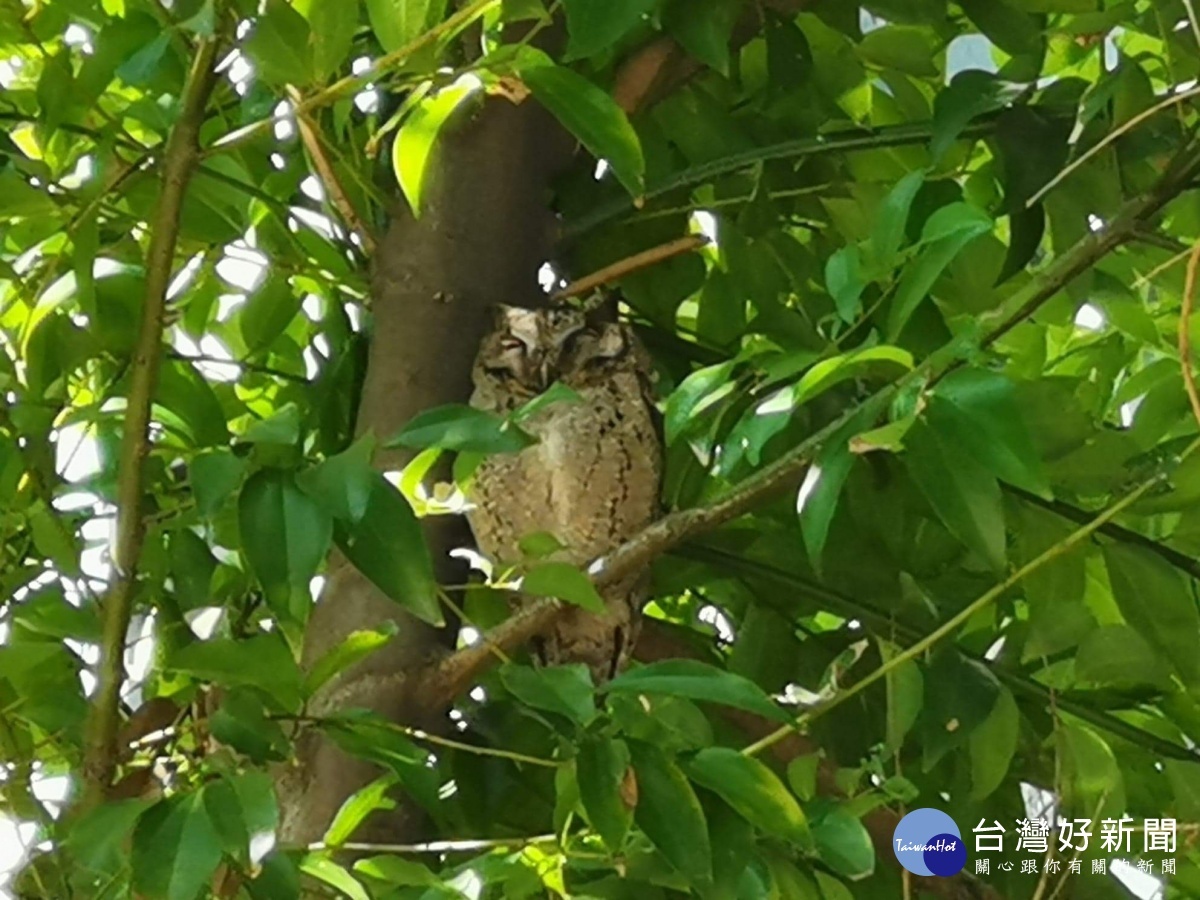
<point>592,480</point>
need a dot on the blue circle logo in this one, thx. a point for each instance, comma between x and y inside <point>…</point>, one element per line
<point>928,842</point>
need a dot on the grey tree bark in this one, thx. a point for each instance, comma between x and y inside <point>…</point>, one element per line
<point>485,231</point>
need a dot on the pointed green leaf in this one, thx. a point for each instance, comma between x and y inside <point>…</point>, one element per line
<point>965,496</point>
<point>285,537</point>
<point>697,681</point>
<point>601,769</point>
<point>566,690</point>
<point>176,850</point>
<point>563,581</point>
<point>595,25</point>
<point>752,789</point>
<point>463,429</point>
<point>589,113</point>
<point>387,546</point>
<point>670,814</point>
<point>414,144</point>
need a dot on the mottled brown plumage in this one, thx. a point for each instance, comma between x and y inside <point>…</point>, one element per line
<point>593,478</point>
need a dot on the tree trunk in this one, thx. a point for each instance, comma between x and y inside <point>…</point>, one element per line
<point>485,230</point>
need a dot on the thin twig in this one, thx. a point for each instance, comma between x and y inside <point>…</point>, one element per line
<point>328,175</point>
<point>1185,335</point>
<point>179,162</point>
<point>1108,139</point>
<point>1160,268</point>
<point>630,264</point>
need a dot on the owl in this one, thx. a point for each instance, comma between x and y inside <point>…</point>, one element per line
<point>592,479</point>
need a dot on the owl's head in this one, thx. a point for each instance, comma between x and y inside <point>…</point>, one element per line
<point>527,350</point>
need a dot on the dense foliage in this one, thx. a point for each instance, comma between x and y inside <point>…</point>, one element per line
<point>948,270</point>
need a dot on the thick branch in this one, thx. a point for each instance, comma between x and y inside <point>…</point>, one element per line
<point>458,671</point>
<point>179,162</point>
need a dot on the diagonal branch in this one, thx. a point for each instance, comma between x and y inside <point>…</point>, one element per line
<point>334,189</point>
<point>179,163</point>
<point>459,670</point>
<point>1186,564</point>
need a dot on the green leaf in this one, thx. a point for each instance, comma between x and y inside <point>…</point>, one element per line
<point>325,870</point>
<point>176,850</point>
<point>855,364</point>
<point>387,546</point>
<point>215,475</point>
<point>670,814</point>
<point>1058,616</point>
<point>992,746</point>
<point>1026,227</point>
<point>266,313</point>
<point>566,690</point>
<point>413,147</point>
<point>353,648</point>
<point>594,26</point>
<point>905,48</point>
<point>332,24</point>
<point>905,696</point>
<point>141,69</point>
<point>888,235</point>
<point>818,498</point>
<point>752,789</point>
<point>844,844</point>
<point>342,484</point>
<point>978,410</point>
<point>965,496</point>
<point>589,113</point>
<point>802,775</point>
<point>1117,656</point>
<point>463,429</point>
<point>241,722</point>
<point>395,870</point>
<point>96,840</point>
<point>241,807</point>
<point>285,536</point>
<point>281,427</point>
<point>563,581</point>
<point>831,888</point>
<point>697,681</point>
<point>556,393</point>
<point>946,232</point>
<point>1091,776</point>
<point>703,28</point>
<point>280,45</point>
<point>399,22</point>
<point>845,281</point>
<point>357,807</point>
<point>695,394</point>
<point>601,770</point>
<point>1157,600</point>
<point>264,662</point>
<point>1006,26</point>
<point>971,93</point>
